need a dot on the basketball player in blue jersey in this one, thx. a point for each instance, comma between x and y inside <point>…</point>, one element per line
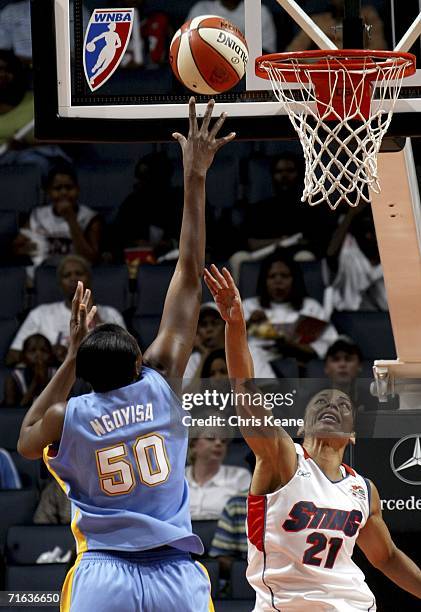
<point>306,509</point>
<point>119,452</point>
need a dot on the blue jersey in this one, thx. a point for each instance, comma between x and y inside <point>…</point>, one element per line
<point>121,461</point>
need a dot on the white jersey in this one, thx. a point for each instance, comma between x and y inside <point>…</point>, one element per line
<point>300,542</point>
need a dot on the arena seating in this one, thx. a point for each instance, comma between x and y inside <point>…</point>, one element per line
<point>205,530</point>
<point>8,328</point>
<point>29,470</point>
<point>45,577</point>
<point>146,329</point>
<point>240,588</point>
<point>152,283</point>
<point>25,543</point>
<point>372,332</point>
<point>10,422</point>
<point>259,180</point>
<point>115,178</point>
<point>16,508</point>
<point>3,375</point>
<point>8,222</point>
<point>12,284</point>
<point>20,187</point>
<point>285,368</point>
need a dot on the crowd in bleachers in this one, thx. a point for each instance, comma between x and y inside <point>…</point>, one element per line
<point>110,215</point>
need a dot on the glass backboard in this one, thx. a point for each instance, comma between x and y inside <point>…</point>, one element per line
<point>143,101</point>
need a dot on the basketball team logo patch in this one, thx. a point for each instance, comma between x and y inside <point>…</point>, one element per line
<point>106,39</point>
<point>358,491</point>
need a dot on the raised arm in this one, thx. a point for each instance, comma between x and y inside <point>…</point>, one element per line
<point>276,460</point>
<point>377,545</point>
<point>171,349</point>
<point>43,423</point>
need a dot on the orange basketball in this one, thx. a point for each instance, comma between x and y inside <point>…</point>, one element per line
<point>209,54</point>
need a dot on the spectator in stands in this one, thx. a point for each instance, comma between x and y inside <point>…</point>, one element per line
<point>210,482</point>
<point>282,221</point>
<point>287,178</point>
<point>306,228</point>
<point>233,10</point>
<point>148,222</point>
<point>24,384</point>
<point>330,21</point>
<point>343,366</point>
<point>149,42</point>
<point>15,27</point>
<point>54,506</point>
<point>150,217</point>
<point>215,365</point>
<point>63,226</point>
<point>209,337</point>
<point>52,320</point>
<point>282,321</point>
<point>354,259</point>
<point>230,539</point>
<point>343,363</point>
<point>9,477</point>
<point>229,542</point>
<point>17,144</point>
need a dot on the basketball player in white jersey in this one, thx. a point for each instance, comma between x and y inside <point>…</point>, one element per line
<point>306,509</point>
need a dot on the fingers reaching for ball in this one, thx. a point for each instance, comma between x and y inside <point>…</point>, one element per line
<point>201,143</point>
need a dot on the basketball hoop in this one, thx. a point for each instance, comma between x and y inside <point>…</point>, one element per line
<point>339,124</point>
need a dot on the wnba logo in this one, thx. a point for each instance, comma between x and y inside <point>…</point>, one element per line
<point>106,40</point>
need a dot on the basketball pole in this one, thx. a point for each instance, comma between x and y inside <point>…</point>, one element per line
<point>409,38</point>
<point>353,25</point>
<point>397,218</point>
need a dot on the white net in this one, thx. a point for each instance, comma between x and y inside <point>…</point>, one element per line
<point>340,145</point>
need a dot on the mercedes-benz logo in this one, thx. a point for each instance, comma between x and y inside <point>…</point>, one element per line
<point>411,451</point>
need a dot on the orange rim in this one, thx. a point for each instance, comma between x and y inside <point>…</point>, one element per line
<point>318,61</point>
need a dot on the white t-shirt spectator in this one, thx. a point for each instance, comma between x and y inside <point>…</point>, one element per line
<point>237,16</point>
<point>359,285</point>
<point>15,29</point>
<point>208,500</point>
<point>52,321</point>
<point>284,313</point>
<point>54,230</point>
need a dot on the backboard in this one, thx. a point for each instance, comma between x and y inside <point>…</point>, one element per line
<point>145,102</point>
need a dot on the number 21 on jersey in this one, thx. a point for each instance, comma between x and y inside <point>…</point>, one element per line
<point>116,472</point>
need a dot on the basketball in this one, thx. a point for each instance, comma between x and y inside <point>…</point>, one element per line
<point>90,47</point>
<point>209,54</point>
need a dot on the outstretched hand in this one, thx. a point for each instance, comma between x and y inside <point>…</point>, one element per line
<point>201,143</point>
<point>80,317</point>
<point>225,293</point>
